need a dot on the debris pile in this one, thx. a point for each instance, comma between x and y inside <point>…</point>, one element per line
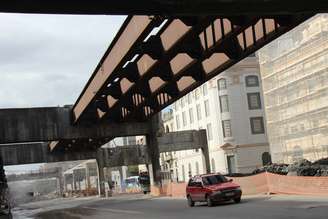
<point>307,168</point>
<point>300,168</point>
<point>281,169</point>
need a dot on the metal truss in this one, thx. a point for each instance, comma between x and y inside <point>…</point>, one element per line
<point>145,70</point>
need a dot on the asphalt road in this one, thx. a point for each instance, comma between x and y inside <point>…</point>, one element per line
<point>130,207</point>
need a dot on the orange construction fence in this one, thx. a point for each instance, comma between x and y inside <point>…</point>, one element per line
<point>263,183</point>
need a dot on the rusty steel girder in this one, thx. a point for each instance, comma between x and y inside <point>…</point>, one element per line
<point>132,32</point>
<point>153,71</point>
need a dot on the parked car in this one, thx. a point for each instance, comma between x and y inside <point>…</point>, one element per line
<point>212,188</point>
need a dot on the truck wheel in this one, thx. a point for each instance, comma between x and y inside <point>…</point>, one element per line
<point>191,203</point>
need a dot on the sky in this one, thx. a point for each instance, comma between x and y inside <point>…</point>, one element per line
<point>45,60</point>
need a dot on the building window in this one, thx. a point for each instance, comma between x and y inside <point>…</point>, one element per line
<point>207,108</point>
<point>226,126</point>
<point>199,112</point>
<point>177,120</point>
<point>254,101</point>
<point>191,116</point>
<point>184,118</point>
<point>205,89</point>
<point>224,104</point>
<point>252,81</point>
<point>222,84</point>
<point>209,131</point>
<point>257,125</point>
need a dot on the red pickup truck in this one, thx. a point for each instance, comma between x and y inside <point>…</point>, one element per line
<point>212,188</point>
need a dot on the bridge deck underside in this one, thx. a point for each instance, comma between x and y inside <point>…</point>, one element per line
<point>154,61</point>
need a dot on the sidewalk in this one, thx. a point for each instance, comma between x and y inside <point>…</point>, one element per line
<point>32,208</point>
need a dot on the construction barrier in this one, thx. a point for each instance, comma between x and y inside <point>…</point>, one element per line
<point>263,183</point>
<point>252,185</point>
<point>299,185</point>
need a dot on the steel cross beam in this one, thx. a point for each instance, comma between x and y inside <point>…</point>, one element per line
<point>16,154</point>
<point>182,55</point>
<point>152,71</point>
<point>165,7</point>
<point>54,123</point>
<point>224,42</point>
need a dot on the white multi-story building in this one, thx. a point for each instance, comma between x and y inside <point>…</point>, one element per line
<point>230,108</point>
<point>295,84</point>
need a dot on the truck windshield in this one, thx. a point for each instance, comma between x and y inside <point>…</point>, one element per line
<point>215,179</point>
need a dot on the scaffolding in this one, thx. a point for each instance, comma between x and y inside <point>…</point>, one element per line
<point>295,85</point>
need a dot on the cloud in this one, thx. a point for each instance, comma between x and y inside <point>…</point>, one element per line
<point>45,60</point>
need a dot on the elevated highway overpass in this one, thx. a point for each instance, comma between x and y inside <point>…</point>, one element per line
<point>164,50</point>
<point>30,153</point>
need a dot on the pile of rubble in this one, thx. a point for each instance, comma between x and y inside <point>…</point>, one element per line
<point>307,168</point>
<point>300,168</point>
<point>281,169</point>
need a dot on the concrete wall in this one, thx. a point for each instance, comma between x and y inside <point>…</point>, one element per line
<point>264,183</point>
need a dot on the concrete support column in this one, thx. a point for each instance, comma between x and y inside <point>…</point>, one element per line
<point>206,158</point>
<point>101,175</point>
<point>61,181</point>
<point>73,182</point>
<point>154,168</point>
<point>60,185</point>
<point>65,183</point>
<point>3,184</point>
<point>108,171</point>
<point>108,168</point>
<point>87,179</point>
<point>80,189</point>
